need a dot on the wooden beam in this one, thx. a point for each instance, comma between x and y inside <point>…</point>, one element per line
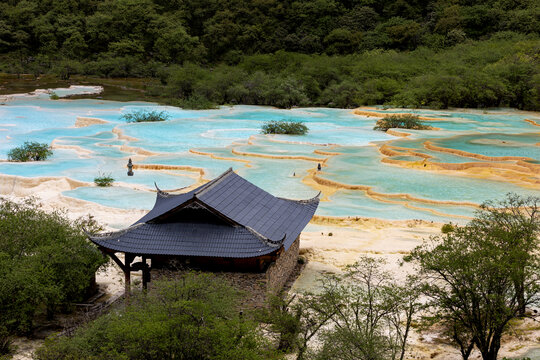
<point>117,261</point>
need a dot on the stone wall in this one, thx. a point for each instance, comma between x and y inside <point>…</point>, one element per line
<point>256,286</point>
<point>279,271</point>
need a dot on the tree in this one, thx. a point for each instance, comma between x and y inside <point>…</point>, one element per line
<point>46,263</point>
<point>405,121</point>
<point>370,315</point>
<point>515,222</point>
<point>30,151</point>
<point>480,276</point>
<point>297,319</point>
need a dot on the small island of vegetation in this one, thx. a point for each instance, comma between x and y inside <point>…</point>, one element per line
<point>284,127</point>
<point>145,116</point>
<point>30,151</point>
<point>104,180</point>
<point>405,121</point>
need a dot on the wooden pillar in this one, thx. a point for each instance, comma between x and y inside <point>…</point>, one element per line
<point>145,274</point>
<point>127,283</point>
<point>126,268</point>
<point>127,274</point>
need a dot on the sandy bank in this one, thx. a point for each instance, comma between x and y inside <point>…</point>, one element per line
<point>430,146</point>
<point>217,157</point>
<point>121,136</point>
<point>88,121</point>
<point>532,122</point>
<point>81,152</point>
<point>197,170</point>
<point>48,190</point>
<point>397,133</point>
<point>515,169</point>
<point>286,157</point>
<point>363,112</point>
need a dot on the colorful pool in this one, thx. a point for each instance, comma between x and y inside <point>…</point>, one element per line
<point>439,175</point>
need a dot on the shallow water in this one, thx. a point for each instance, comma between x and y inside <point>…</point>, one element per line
<point>358,176</point>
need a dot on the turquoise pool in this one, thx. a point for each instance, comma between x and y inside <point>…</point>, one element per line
<point>359,179</point>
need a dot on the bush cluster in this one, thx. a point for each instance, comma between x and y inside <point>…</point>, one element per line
<point>145,116</point>
<point>194,317</point>
<point>46,263</point>
<point>405,121</point>
<point>284,127</point>
<point>104,180</point>
<point>30,151</point>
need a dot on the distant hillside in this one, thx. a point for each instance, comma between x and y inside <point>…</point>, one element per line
<point>365,51</point>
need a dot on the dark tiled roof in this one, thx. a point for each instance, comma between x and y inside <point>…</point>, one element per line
<point>188,240</point>
<point>268,219</point>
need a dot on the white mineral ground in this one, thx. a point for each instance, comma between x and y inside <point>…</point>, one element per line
<point>350,239</point>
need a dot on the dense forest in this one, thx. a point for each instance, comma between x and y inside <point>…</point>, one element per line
<point>341,53</point>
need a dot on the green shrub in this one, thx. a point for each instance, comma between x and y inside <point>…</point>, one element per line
<point>145,116</point>
<point>46,263</point>
<point>54,96</point>
<point>30,151</point>
<point>447,228</point>
<point>104,180</point>
<point>193,317</point>
<point>405,121</point>
<point>284,127</point>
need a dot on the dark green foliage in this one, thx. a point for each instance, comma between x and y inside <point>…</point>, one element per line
<point>193,317</point>
<point>145,116</point>
<point>30,151</point>
<point>46,263</point>
<point>169,32</point>
<point>405,121</point>
<point>447,228</point>
<point>334,53</point>
<point>284,127</point>
<point>54,96</point>
<point>104,180</point>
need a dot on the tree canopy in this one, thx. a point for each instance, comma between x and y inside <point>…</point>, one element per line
<point>46,264</point>
<point>337,53</point>
<point>484,274</point>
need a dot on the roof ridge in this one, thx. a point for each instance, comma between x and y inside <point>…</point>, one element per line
<point>161,192</point>
<point>111,234</point>
<point>264,239</point>
<point>212,183</point>
<point>303,201</point>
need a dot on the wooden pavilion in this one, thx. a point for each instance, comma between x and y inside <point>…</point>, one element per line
<point>227,224</point>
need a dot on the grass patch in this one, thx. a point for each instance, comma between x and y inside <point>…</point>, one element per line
<point>145,116</point>
<point>54,96</point>
<point>30,151</point>
<point>104,180</point>
<point>284,127</point>
<point>405,121</point>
